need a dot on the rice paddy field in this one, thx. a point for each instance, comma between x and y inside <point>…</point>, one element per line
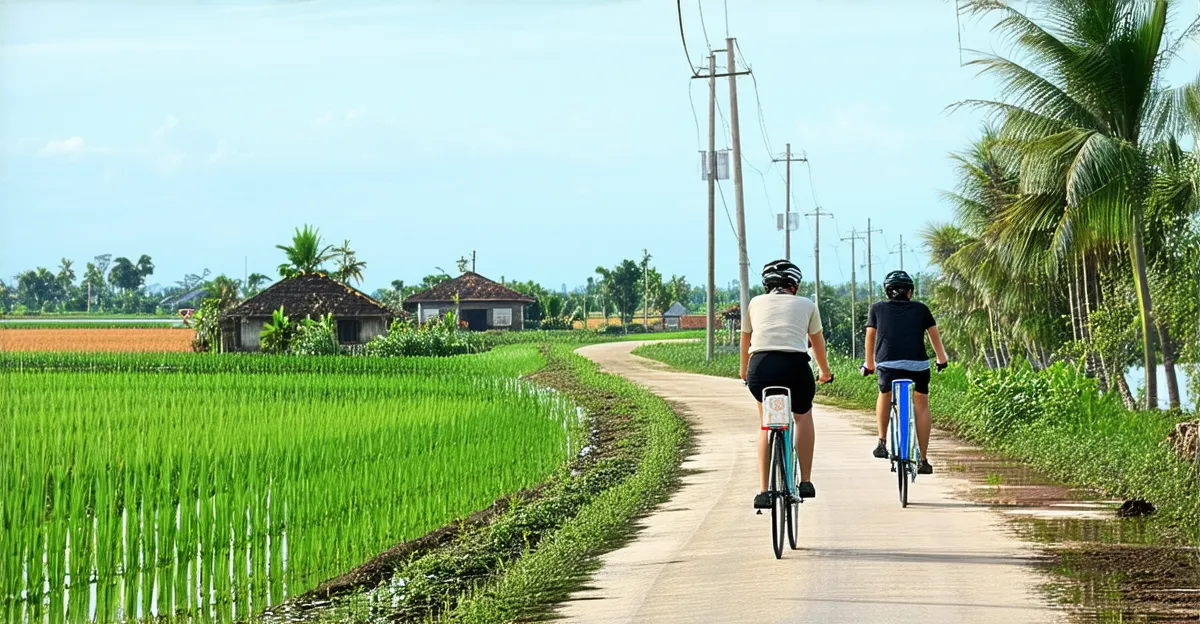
<point>207,487</point>
<point>91,339</point>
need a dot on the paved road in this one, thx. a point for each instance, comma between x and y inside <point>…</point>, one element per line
<point>704,556</point>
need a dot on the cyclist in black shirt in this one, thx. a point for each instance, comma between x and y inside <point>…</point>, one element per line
<point>895,344</point>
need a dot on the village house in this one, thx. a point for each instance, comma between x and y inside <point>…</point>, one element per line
<point>358,317</point>
<point>476,300</point>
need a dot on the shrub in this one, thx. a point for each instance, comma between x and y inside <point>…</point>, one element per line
<point>277,334</point>
<point>315,338</point>
<point>206,320</point>
<point>555,323</point>
<point>439,337</point>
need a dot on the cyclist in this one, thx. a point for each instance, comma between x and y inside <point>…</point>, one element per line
<point>774,352</point>
<point>895,344</point>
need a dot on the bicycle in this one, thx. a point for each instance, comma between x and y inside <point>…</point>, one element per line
<point>779,420</point>
<point>905,452</point>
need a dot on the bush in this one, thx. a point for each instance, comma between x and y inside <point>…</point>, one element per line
<point>555,323</point>
<point>439,337</point>
<point>206,320</point>
<point>277,334</point>
<point>315,338</point>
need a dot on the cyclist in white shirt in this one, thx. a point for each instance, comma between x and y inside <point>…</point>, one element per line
<point>774,352</point>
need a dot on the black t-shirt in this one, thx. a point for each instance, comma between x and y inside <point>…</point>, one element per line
<point>900,330</point>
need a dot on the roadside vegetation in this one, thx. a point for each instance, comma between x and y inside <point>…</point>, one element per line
<point>1076,234</point>
<point>1056,419</point>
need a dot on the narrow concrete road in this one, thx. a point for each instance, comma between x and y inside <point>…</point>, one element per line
<point>705,556</point>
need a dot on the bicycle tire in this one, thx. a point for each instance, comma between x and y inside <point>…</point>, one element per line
<point>778,487</point>
<point>794,507</point>
<point>902,476</point>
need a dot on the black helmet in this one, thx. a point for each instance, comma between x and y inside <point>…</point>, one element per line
<point>897,282</point>
<point>781,274</point>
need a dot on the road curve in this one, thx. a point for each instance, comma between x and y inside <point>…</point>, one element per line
<point>704,556</point>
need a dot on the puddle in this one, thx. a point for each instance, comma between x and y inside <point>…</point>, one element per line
<point>1108,569</point>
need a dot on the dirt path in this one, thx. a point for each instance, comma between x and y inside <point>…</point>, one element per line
<point>705,556</point>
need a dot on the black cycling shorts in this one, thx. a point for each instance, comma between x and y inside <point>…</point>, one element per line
<point>886,376</point>
<point>789,369</point>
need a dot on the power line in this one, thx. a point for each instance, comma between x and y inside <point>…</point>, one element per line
<point>700,7</point>
<point>762,126</point>
<point>683,39</point>
<point>695,117</point>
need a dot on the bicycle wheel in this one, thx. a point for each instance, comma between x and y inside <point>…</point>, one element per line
<point>778,487</point>
<point>902,476</point>
<point>793,519</point>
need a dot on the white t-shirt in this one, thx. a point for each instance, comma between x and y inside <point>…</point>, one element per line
<point>781,322</point>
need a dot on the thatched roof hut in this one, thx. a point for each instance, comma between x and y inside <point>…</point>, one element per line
<point>478,301</point>
<point>358,317</point>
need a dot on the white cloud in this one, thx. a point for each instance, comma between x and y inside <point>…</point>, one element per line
<point>167,129</point>
<point>73,146</point>
<point>225,153</point>
<point>324,119</point>
<point>355,113</point>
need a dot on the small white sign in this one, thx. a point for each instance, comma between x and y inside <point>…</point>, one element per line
<point>502,317</point>
<point>428,313</point>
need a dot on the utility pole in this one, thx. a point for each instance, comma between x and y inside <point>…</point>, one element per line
<point>710,321</point>
<point>870,263</point>
<point>736,137</point>
<point>817,251</point>
<point>472,260</point>
<point>645,290</point>
<point>787,211</point>
<point>900,250</point>
<point>854,236</point>
<point>712,171</point>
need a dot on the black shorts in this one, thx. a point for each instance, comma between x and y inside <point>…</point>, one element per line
<point>789,369</point>
<point>886,376</point>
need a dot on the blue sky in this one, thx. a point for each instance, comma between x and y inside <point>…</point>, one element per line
<point>550,137</point>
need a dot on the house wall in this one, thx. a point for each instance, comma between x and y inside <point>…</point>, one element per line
<point>372,327</point>
<point>518,311</point>
<point>250,329</point>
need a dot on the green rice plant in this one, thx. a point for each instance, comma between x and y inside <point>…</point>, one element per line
<point>174,480</point>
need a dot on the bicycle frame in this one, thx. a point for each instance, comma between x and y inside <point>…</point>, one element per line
<point>778,416</point>
<point>903,427</point>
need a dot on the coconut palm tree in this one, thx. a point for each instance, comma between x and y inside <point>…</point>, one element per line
<point>305,254</point>
<point>1084,106</point>
<point>349,266</point>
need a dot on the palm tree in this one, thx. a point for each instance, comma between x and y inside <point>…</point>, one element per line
<point>66,274</point>
<point>305,254</point>
<point>1082,109</point>
<point>349,266</point>
<point>253,282</point>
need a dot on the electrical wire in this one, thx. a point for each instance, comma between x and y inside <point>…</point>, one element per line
<point>700,7</point>
<point>683,39</point>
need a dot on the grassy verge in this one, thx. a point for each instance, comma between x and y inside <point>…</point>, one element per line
<point>540,545</point>
<point>1054,419</point>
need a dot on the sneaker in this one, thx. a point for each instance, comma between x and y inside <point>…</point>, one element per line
<point>762,500</point>
<point>806,490</point>
<point>881,450</point>
<point>925,467</point>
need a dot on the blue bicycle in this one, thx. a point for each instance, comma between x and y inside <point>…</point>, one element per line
<point>779,421</point>
<point>905,452</point>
